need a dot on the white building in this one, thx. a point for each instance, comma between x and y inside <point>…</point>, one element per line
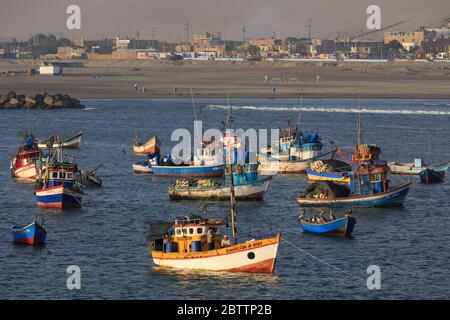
<point>49,69</point>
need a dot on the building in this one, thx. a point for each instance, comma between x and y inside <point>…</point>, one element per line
<point>268,47</point>
<point>122,44</point>
<point>71,53</point>
<point>407,39</point>
<point>208,46</point>
<point>50,69</point>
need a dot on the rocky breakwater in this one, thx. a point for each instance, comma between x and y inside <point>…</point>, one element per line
<point>11,100</point>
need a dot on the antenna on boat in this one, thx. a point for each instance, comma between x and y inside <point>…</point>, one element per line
<point>300,112</point>
<point>230,173</point>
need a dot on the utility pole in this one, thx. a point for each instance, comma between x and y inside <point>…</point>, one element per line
<point>186,28</point>
<point>309,26</point>
<point>244,32</point>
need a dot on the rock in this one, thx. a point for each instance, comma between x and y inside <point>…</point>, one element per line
<point>3,100</point>
<point>58,104</point>
<point>48,100</point>
<point>30,100</point>
<point>13,103</point>
<point>11,94</point>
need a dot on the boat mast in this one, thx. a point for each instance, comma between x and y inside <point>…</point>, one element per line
<point>231,177</point>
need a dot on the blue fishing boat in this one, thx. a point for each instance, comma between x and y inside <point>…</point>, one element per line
<point>340,227</point>
<point>188,171</point>
<point>390,198</point>
<point>31,234</point>
<point>432,176</point>
<point>56,185</point>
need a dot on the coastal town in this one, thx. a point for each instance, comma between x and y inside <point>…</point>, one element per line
<point>422,44</point>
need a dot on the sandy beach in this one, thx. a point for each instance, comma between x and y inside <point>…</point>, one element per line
<point>216,79</point>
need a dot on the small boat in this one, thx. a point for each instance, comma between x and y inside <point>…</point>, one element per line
<point>142,167</point>
<point>189,171</point>
<point>391,197</point>
<point>295,153</point>
<point>340,226</point>
<point>153,145</point>
<point>57,142</point>
<point>56,186</point>
<point>89,177</point>
<point>417,167</point>
<point>23,164</point>
<point>432,176</point>
<point>338,177</point>
<point>31,234</point>
<point>247,186</point>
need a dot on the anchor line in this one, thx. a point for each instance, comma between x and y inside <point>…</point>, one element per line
<point>324,262</point>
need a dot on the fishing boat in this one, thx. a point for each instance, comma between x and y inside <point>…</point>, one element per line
<point>183,245</point>
<point>31,234</point>
<point>23,164</point>
<point>431,176</point>
<point>247,186</point>
<point>297,161</point>
<point>57,142</point>
<point>329,170</point>
<point>56,186</point>
<point>334,226</point>
<point>417,167</point>
<point>369,185</point>
<point>193,242</point>
<point>153,145</point>
<point>389,198</point>
<point>89,177</point>
<point>142,167</point>
<point>205,164</point>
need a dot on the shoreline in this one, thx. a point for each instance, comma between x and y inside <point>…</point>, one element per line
<point>246,80</point>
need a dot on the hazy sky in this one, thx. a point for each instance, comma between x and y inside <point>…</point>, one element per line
<point>110,18</point>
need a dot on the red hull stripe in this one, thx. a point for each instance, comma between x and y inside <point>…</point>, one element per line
<point>266,266</point>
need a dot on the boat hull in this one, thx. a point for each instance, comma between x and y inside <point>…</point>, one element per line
<point>151,146</point>
<point>431,176</point>
<point>60,197</point>
<point>340,227</point>
<point>27,172</point>
<point>273,167</point>
<point>339,177</point>
<point>257,256</point>
<point>214,171</point>
<point>139,168</point>
<point>72,143</point>
<point>248,192</point>
<point>390,198</point>
<point>32,234</point>
<point>410,169</point>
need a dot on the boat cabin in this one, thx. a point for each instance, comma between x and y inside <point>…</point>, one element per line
<point>305,151</point>
<point>56,174</point>
<point>26,157</point>
<point>189,234</point>
<point>370,179</point>
<point>242,174</point>
<point>366,153</point>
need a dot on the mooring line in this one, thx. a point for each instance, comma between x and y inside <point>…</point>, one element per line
<point>324,262</point>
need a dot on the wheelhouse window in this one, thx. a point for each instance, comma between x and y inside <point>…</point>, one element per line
<point>55,175</point>
<point>199,230</point>
<point>191,230</point>
<point>69,175</point>
<point>178,231</point>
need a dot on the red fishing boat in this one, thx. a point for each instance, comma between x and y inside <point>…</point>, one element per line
<point>23,164</point>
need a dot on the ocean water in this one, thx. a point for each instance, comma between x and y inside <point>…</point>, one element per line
<point>106,238</point>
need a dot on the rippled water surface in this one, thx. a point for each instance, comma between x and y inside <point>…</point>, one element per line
<point>106,238</point>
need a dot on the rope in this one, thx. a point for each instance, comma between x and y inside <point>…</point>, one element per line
<point>324,262</point>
